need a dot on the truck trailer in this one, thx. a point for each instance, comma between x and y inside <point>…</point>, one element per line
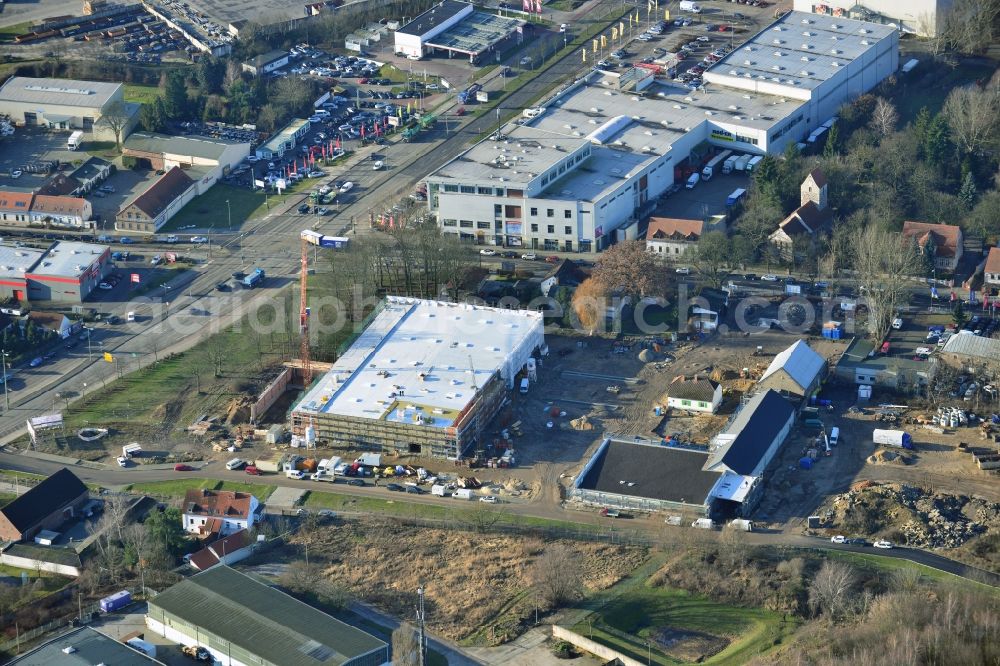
<point>75,140</point>
<point>898,438</point>
<point>115,601</point>
<point>713,165</point>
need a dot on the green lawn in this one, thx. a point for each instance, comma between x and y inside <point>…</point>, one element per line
<point>893,564</point>
<point>5,498</point>
<point>627,620</point>
<point>209,211</point>
<point>8,32</point>
<point>325,500</point>
<point>930,89</point>
<point>178,487</point>
<point>135,92</point>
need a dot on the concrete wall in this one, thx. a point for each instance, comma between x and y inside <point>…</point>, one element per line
<point>31,564</point>
<point>593,647</point>
<point>270,394</point>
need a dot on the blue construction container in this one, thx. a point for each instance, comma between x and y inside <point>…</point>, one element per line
<point>806,463</point>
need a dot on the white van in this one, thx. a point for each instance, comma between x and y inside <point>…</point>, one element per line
<point>693,180</point>
<point>294,474</point>
<point>524,385</point>
<point>130,316</point>
<point>834,436</point>
<point>235,463</point>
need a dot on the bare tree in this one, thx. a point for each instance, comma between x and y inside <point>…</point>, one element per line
<point>884,262</point>
<point>405,645</point>
<point>973,116</point>
<point>116,117</point>
<point>971,26</point>
<point>832,589</point>
<point>733,546</point>
<point>628,268</point>
<point>556,576</point>
<point>216,353</point>
<point>884,117</point>
<point>482,517</point>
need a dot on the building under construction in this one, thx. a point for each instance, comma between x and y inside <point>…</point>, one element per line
<point>424,377</point>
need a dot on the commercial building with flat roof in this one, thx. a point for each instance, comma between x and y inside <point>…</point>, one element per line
<point>922,17</point>
<point>425,377</point>
<point>574,172</point>
<point>65,104</point>
<point>68,272</point>
<point>644,476</point>
<point>84,646</point>
<point>410,38</point>
<point>243,621</point>
<point>284,139</point>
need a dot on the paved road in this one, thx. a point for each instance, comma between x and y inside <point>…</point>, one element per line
<point>651,526</point>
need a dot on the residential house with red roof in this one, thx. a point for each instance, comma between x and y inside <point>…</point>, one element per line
<point>15,207</point>
<point>991,274</point>
<point>151,209</point>
<point>671,237</point>
<point>61,211</point>
<point>946,239</point>
<point>810,219</point>
<point>218,512</point>
<point>227,550</point>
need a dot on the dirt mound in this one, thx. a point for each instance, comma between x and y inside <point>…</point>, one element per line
<point>884,457</point>
<point>647,355</point>
<point>582,423</point>
<point>238,410</point>
<point>688,646</point>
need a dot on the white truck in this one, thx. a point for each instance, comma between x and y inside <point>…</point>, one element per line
<point>741,163</point>
<point>462,493</point>
<point>704,524</point>
<point>710,168</point>
<point>727,166</point>
<point>741,524</point>
<point>688,6</point>
<point>75,140</point>
<point>524,386</point>
<point>754,161</point>
<point>441,490</point>
<point>896,438</point>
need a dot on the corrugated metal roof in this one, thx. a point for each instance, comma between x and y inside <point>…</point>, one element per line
<point>58,92</point>
<point>800,362</point>
<point>755,428</point>
<point>262,620</point>
<point>973,345</point>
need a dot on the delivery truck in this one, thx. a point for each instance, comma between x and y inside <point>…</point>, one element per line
<point>116,601</point>
<point>898,438</point>
<point>754,161</point>
<point>688,6</point>
<point>74,140</point>
<point>703,524</point>
<point>441,490</point>
<point>255,279</point>
<point>462,493</point>
<point>741,163</point>
<point>742,524</point>
<point>735,197</point>
<point>714,164</point>
<point>727,165</point>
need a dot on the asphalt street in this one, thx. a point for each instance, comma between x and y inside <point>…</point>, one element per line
<point>652,527</point>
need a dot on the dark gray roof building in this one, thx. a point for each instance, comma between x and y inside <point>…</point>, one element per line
<point>647,476</point>
<point>692,388</point>
<point>754,436</point>
<point>83,647</point>
<point>45,506</point>
<point>239,617</point>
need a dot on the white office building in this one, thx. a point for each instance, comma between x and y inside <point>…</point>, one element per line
<point>572,173</point>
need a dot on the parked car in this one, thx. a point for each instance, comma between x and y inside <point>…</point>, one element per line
<point>529,256</point>
<point>769,277</point>
<point>486,252</point>
<point>181,467</point>
<point>414,490</point>
<point>395,487</point>
<point>840,538</point>
<point>490,499</point>
<point>552,259</point>
<point>303,208</point>
<point>883,544</point>
<point>37,361</point>
<point>106,286</point>
<point>125,240</point>
<point>356,482</point>
<point>198,240</point>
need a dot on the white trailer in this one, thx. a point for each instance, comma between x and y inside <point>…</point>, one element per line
<point>741,163</point>
<point>711,167</point>
<point>727,166</point>
<point>704,524</point>
<point>440,490</point>
<point>131,450</point>
<point>462,493</point>
<point>75,140</point>
<point>741,524</point>
<point>897,438</point>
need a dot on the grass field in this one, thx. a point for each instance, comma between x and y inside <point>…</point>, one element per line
<point>892,565</point>
<point>135,92</point>
<point>5,498</point>
<point>178,487</point>
<point>8,32</point>
<point>931,83</point>
<point>175,391</point>
<point>372,505</point>
<point>627,620</point>
<point>209,211</point>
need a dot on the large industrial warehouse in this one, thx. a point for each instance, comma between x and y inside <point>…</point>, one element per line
<point>572,172</point>
<point>425,377</point>
<point>65,104</point>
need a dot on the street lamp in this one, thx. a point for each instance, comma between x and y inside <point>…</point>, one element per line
<point>6,397</point>
<point>229,214</point>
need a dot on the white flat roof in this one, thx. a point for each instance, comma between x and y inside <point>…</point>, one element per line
<point>69,259</point>
<point>413,363</point>
<point>732,487</point>
<point>800,50</point>
<point>58,92</point>
<point>649,125</point>
<point>16,261</point>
